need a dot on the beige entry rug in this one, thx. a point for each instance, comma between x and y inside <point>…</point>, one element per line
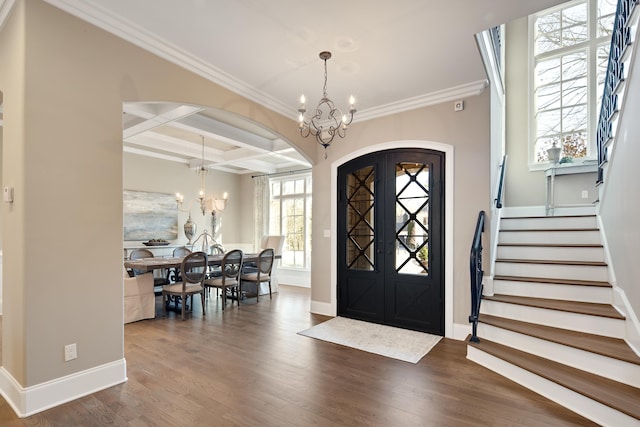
<point>402,344</point>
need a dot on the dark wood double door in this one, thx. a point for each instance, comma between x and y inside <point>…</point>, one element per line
<point>391,239</point>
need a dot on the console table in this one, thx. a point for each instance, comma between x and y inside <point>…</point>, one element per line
<point>566,169</point>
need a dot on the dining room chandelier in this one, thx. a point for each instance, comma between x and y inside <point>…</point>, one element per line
<point>327,121</point>
<point>207,204</point>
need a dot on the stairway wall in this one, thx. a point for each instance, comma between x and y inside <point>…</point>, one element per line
<point>619,207</point>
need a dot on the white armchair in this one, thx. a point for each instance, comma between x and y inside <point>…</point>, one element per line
<point>139,298</point>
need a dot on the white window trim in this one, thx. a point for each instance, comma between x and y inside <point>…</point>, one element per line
<point>307,206</point>
<point>592,122</point>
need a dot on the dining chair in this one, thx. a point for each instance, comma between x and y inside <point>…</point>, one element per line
<point>181,251</point>
<point>141,253</point>
<point>231,267</point>
<point>173,275</point>
<point>263,273</point>
<point>193,270</point>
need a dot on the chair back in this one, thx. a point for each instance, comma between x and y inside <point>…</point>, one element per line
<point>180,252</point>
<point>216,249</point>
<point>140,253</point>
<point>265,260</point>
<point>232,264</point>
<point>194,267</point>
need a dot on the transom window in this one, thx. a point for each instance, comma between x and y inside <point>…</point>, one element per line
<point>290,215</point>
<point>570,47</point>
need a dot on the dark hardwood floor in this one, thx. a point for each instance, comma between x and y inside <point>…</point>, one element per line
<point>248,367</point>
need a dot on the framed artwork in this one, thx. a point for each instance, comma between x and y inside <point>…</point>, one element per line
<point>149,216</point>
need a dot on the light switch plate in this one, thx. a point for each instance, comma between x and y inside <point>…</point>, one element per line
<point>8,194</point>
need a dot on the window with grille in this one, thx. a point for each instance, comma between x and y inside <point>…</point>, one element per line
<point>570,48</point>
<point>290,215</point>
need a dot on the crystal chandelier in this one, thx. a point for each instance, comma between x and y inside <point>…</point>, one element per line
<point>327,121</point>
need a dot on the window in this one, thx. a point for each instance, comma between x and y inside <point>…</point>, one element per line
<point>290,215</point>
<point>570,48</point>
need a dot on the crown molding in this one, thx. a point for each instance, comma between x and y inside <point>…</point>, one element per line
<point>433,98</point>
<point>101,18</point>
<point>98,16</point>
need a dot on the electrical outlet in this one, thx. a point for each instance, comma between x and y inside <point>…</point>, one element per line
<point>458,106</point>
<point>70,352</point>
<point>585,194</point>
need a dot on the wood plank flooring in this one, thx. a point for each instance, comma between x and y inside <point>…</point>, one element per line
<point>248,367</point>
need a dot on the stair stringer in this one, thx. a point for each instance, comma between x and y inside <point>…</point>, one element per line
<point>620,300</point>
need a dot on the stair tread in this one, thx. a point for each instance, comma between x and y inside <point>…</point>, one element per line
<point>589,308</point>
<point>553,245</point>
<point>545,230</point>
<point>547,216</point>
<point>615,348</point>
<point>554,281</point>
<point>621,397</point>
<point>552,261</point>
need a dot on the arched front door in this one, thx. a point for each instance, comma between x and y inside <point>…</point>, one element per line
<point>391,239</point>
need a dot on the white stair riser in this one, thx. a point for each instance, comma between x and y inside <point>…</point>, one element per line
<point>550,237</point>
<point>548,223</point>
<point>552,271</point>
<point>564,253</point>
<point>607,367</point>
<point>594,294</point>
<point>595,411</point>
<point>558,319</point>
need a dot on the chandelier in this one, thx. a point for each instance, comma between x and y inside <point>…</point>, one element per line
<point>207,204</point>
<point>327,121</point>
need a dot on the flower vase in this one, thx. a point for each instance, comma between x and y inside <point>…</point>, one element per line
<point>553,153</point>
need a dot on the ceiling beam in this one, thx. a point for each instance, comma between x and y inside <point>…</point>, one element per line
<point>160,120</point>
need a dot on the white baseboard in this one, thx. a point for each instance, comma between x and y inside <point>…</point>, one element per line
<point>31,400</point>
<point>323,308</point>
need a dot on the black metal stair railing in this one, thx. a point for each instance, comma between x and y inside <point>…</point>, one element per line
<point>620,41</point>
<point>500,195</point>
<point>475,269</point>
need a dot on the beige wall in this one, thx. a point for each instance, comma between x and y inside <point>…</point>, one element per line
<point>12,84</point>
<point>522,188</point>
<point>467,132</point>
<point>64,82</point>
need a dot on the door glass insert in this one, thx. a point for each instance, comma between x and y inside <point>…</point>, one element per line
<point>360,219</point>
<point>412,218</point>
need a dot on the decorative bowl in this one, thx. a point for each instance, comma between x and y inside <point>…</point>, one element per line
<point>155,243</point>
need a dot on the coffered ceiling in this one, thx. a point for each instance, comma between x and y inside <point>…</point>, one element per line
<point>391,55</point>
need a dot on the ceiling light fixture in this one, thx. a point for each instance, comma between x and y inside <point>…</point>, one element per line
<point>327,120</point>
<point>210,204</point>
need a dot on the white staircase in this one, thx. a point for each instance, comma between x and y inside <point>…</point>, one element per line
<point>550,325</point>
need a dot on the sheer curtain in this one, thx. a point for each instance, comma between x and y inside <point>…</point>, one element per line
<point>261,209</point>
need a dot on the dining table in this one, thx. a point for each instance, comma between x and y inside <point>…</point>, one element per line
<point>159,263</point>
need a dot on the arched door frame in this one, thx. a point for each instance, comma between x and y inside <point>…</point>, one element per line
<point>448,225</point>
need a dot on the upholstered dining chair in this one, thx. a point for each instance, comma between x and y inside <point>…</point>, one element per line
<point>193,270</point>
<point>263,273</point>
<point>181,251</point>
<point>141,253</point>
<point>230,274</point>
